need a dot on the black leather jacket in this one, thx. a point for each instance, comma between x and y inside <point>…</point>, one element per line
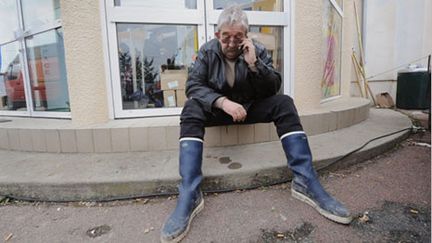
<point>207,82</point>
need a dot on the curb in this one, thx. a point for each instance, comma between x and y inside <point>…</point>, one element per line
<point>152,174</point>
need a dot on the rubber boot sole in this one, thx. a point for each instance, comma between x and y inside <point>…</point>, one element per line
<point>194,213</point>
<point>335,218</point>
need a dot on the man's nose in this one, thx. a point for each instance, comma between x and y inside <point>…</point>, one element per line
<point>231,44</point>
<point>232,41</point>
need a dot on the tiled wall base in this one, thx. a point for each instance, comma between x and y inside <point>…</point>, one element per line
<point>153,134</point>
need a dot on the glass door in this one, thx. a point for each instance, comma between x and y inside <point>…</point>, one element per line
<point>152,44</point>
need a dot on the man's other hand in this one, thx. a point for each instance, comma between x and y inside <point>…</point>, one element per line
<point>235,110</point>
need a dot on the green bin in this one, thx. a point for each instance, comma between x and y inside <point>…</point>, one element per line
<point>413,89</point>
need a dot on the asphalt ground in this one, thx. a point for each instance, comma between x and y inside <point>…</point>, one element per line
<point>390,195</point>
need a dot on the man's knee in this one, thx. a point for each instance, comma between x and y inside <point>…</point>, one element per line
<point>192,110</point>
<point>285,102</point>
<point>192,120</point>
<point>284,99</point>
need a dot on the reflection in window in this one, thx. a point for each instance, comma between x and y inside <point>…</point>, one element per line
<point>39,13</point>
<point>153,63</point>
<point>251,5</point>
<point>47,71</point>
<point>172,4</point>
<point>12,95</point>
<point>8,20</point>
<point>271,38</point>
<point>330,82</point>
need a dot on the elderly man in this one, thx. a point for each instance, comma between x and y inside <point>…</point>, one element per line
<point>233,82</point>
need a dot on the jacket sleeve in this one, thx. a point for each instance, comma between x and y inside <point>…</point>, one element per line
<point>197,86</point>
<point>267,81</point>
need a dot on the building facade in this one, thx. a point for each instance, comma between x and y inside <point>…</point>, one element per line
<point>109,75</point>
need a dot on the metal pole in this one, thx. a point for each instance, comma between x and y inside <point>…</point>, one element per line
<point>429,88</point>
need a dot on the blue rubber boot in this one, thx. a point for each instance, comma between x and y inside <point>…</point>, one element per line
<point>190,201</point>
<point>305,184</point>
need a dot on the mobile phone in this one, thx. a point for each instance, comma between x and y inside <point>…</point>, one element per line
<point>241,47</point>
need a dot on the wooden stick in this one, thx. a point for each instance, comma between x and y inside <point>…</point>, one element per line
<point>361,71</point>
<point>358,76</point>
<point>364,78</point>
<point>361,63</point>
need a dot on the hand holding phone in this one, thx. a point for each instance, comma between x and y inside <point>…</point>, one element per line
<point>248,50</point>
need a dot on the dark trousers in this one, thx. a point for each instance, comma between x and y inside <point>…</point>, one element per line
<point>279,109</point>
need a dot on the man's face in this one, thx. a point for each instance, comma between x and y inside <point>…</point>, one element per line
<point>230,38</point>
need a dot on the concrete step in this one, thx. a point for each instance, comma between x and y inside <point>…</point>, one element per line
<point>110,176</point>
<point>152,134</point>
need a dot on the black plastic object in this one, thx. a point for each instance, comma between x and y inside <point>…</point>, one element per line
<point>413,90</point>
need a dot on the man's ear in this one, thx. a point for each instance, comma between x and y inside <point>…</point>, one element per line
<point>217,34</point>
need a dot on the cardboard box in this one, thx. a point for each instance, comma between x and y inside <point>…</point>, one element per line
<point>174,98</point>
<point>173,79</point>
<point>384,100</point>
<point>180,97</point>
<point>169,98</point>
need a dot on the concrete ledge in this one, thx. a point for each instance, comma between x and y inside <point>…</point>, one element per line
<point>161,133</point>
<point>103,176</point>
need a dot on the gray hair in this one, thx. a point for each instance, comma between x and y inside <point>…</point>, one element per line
<point>233,15</point>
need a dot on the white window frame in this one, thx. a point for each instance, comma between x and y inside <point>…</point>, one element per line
<point>204,17</point>
<point>337,7</point>
<point>20,37</point>
<point>118,14</point>
<point>339,10</point>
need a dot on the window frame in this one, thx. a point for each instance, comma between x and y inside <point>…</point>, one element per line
<point>118,14</point>
<point>204,17</point>
<point>20,36</point>
<point>339,10</point>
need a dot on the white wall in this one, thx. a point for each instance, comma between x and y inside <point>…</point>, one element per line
<point>397,32</point>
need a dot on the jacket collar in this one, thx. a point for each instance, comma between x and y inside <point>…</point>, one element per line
<point>215,46</point>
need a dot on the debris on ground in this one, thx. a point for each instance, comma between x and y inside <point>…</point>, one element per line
<point>364,218</point>
<point>299,234</point>
<point>395,222</point>
<point>142,200</point>
<point>419,144</point>
<point>4,200</point>
<point>8,237</point>
<point>336,174</point>
<point>148,230</point>
<point>98,231</point>
<point>87,204</point>
<point>90,204</point>
<point>414,211</point>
